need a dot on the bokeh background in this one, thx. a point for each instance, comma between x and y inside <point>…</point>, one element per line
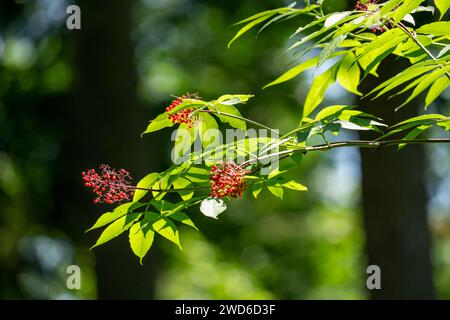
<point>71,100</point>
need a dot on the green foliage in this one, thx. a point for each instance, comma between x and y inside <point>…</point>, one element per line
<point>341,42</point>
<point>442,5</point>
<point>141,239</point>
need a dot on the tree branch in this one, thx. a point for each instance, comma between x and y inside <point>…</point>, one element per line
<point>353,143</point>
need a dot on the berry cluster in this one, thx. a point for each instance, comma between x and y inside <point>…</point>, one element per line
<point>365,6</point>
<point>184,115</point>
<point>370,6</point>
<point>227,179</point>
<point>110,186</point>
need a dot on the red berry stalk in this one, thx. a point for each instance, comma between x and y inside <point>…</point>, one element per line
<point>183,116</point>
<point>109,185</point>
<point>227,179</point>
<point>112,186</point>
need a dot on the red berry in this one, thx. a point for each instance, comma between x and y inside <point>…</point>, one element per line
<point>111,186</point>
<point>227,180</point>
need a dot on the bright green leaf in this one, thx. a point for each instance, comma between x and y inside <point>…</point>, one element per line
<point>118,212</point>
<point>145,183</point>
<point>294,185</point>
<point>160,122</point>
<point>168,230</point>
<point>436,89</point>
<point>249,26</point>
<point>297,70</point>
<point>318,88</point>
<point>141,239</point>
<point>441,28</point>
<point>443,6</point>
<point>183,218</point>
<point>182,183</point>
<point>349,74</point>
<point>116,228</point>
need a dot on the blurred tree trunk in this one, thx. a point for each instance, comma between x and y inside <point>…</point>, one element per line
<point>108,129</point>
<point>394,203</point>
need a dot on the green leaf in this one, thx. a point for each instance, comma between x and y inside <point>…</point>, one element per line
<point>184,138</point>
<point>370,55</point>
<point>182,183</point>
<point>183,218</point>
<point>441,28</point>
<point>141,240</point>
<point>276,189</point>
<point>160,122</point>
<point>436,89</point>
<point>116,228</point>
<point>256,189</point>
<point>400,79</point>
<point>232,99</point>
<point>425,82</point>
<point>168,230</point>
<point>146,182</point>
<point>388,6</point>
<point>444,124</point>
<point>318,88</point>
<point>425,117</point>
<point>330,111</point>
<point>297,70</point>
<point>361,124</point>
<point>187,103</point>
<point>196,174</point>
<point>232,121</point>
<point>275,11</point>
<point>407,7</point>
<point>443,6</point>
<point>329,49</point>
<point>281,17</point>
<point>209,124</point>
<point>294,185</point>
<point>249,26</point>
<point>310,25</point>
<point>349,74</point>
<point>380,41</point>
<point>118,212</point>
<point>414,134</point>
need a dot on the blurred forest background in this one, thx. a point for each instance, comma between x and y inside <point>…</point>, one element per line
<point>71,100</point>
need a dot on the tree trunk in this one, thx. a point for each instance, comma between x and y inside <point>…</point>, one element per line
<point>109,125</point>
<point>394,203</point>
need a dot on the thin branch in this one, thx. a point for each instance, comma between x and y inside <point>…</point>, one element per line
<point>354,143</point>
<point>164,190</point>
<point>170,190</point>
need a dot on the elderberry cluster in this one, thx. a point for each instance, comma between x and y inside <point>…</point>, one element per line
<point>184,115</point>
<point>109,185</point>
<point>227,179</point>
<point>370,6</point>
<point>364,6</point>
